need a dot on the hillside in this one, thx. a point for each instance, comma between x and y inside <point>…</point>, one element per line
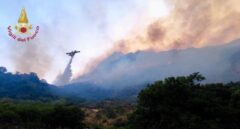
<point>24,86</point>
<point>218,63</point>
<point>113,77</point>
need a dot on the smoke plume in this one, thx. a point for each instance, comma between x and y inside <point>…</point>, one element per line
<point>217,63</point>
<point>31,57</point>
<point>190,24</point>
<point>65,77</point>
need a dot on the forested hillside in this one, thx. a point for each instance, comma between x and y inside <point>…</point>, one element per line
<point>24,86</point>
<point>183,102</point>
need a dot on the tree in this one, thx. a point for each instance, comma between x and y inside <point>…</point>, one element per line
<point>3,70</point>
<point>69,117</point>
<point>184,103</point>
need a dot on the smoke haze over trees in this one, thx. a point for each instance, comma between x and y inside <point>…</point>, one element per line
<point>23,86</point>
<point>218,63</point>
<point>65,77</point>
<point>176,102</point>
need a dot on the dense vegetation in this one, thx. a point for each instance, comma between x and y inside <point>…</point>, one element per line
<point>183,103</point>
<point>29,87</point>
<point>29,115</point>
<point>26,102</point>
<point>24,86</point>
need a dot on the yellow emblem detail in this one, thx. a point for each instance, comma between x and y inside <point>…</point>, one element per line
<point>23,26</point>
<point>23,17</point>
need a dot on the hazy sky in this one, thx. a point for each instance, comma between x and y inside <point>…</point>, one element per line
<point>99,28</point>
<point>91,26</point>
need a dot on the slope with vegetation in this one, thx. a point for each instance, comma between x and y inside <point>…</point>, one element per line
<point>23,86</point>
<point>26,102</point>
<point>32,115</point>
<point>184,103</point>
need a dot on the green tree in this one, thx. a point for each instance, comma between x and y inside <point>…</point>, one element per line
<point>183,103</point>
<point>69,117</point>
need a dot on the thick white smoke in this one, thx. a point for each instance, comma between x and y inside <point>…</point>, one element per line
<point>65,77</point>
<point>216,63</point>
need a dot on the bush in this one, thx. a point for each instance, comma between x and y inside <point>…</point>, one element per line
<point>39,116</point>
<point>183,103</point>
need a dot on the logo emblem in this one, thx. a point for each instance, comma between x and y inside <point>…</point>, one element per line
<point>23,31</point>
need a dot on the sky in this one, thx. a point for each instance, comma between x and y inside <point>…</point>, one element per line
<point>99,28</point>
<point>91,26</point>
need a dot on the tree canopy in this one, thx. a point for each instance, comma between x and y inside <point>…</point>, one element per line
<point>184,103</point>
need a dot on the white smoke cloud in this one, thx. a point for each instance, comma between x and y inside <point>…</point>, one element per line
<point>65,77</point>
<point>217,63</point>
